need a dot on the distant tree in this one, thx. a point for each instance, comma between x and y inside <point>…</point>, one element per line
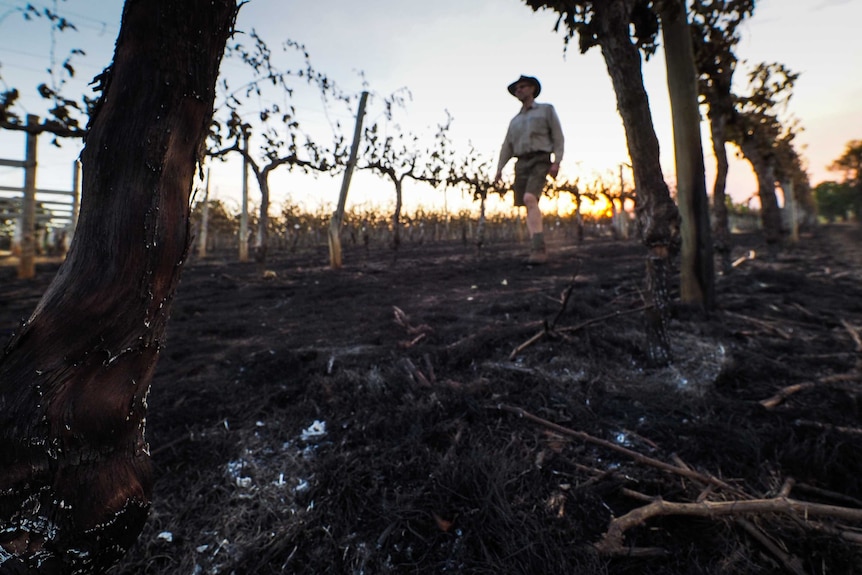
<point>283,141</point>
<point>756,129</point>
<point>64,116</point>
<point>616,196</point>
<point>621,28</point>
<point>714,33</point>
<point>792,176</point>
<point>836,201</point>
<point>398,154</point>
<point>850,163</point>
<point>75,471</point>
<point>573,188</point>
<point>473,171</point>
<point>221,223</point>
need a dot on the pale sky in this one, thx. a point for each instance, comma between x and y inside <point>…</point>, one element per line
<point>459,55</point>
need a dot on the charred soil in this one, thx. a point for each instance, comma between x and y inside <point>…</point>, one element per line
<point>449,411</point>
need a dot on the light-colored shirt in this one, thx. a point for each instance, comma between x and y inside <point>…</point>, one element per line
<point>536,129</point>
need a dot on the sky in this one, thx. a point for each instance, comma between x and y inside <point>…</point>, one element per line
<point>458,56</point>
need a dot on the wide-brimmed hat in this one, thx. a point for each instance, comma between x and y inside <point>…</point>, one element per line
<point>523,78</point>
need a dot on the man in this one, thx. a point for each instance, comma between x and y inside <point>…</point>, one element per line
<point>534,135</point>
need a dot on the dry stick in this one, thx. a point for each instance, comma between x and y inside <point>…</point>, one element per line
<point>828,427</point>
<point>786,392</point>
<point>574,328</point>
<point>851,536</point>
<point>767,325</point>
<point>589,322</point>
<point>638,457</point>
<point>403,320</point>
<point>612,541</point>
<point>564,302</point>
<point>804,310</point>
<point>854,333</point>
<point>526,344</point>
<point>790,562</point>
<point>833,495</point>
<point>415,374</point>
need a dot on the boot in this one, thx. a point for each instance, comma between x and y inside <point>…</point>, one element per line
<point>538,252</point>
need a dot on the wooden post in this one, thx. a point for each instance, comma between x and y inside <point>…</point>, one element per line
<point>791,210</point>
<point>243,218</point>
<point>697,276</point>
<point>76,201</point>
<point>205,216</point>
<point>27,262</point>
<point>446,211</point>
<point>338,217</point>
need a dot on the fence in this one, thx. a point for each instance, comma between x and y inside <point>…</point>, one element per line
<point>33,220</point>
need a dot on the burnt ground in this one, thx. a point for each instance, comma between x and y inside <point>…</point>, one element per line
<point>299,423</point>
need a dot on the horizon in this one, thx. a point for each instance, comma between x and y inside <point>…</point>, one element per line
<point>445,75</point>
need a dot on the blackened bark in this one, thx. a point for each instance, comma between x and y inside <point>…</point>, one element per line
<point>658,218</point>
<point>770,214</point>
<point>721,224</point>
<point>75,479</point>
<point>396,214</point>
<point>764,170</point>
<point>261,242</point>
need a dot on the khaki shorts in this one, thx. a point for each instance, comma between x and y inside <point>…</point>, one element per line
<point>530,174</point>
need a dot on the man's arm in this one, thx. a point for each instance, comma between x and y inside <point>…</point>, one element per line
<point>557,140</point>
<point>506,153</point>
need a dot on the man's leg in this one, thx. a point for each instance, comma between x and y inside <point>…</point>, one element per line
<point>534,214</point>
<point>538,253</point>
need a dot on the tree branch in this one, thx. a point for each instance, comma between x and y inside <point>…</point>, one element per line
<point>612,541</point>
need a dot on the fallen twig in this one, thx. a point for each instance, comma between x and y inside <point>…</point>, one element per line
<point>854,333</point>
<point>790,562</point>
<point>786,392</point>
<point>762,323</point>
<point>742,259</point>
<point>634,455</point>
<point>564,302</point>
<point>403,320</point>
<point>612,540</point>
<point>826,493</point>
<point>570,329</point>
<point>527,344</point>
<point>828,427</point>
<point>414,372</point>
<point>417,333</point>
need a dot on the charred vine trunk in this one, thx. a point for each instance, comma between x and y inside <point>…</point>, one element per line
<point>764,170</point>
<point>75,479</point>
<point>721,224</point>
<point>261,238</point>
<point>658,218</point>
<point>396,215</point>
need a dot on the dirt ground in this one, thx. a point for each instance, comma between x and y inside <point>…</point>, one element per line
<point>455,412</point>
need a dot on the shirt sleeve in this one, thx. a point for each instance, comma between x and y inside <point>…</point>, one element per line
<point>556,130</point>
<point>506,150</point>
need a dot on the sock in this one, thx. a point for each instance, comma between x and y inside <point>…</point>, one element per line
<point>538,241</point>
